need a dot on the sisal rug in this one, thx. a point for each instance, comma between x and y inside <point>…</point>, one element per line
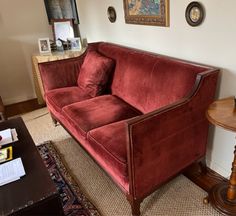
<point>179,197</point>
<point>73,201</point>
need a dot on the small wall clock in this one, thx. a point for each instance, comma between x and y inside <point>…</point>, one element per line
<point>194,14</point>
<point>59,45</point>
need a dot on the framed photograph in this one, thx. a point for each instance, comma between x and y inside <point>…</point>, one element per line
<point>62,29</point>
<point>75,44</point>
<point>194,14</point>
<point>61,9</point>
<point>44,45</point>
<point>148,12</point>
<point>111,13</point>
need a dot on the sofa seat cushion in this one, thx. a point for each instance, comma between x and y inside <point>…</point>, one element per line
<point>58,98</point>
<point>110,141</point>
<point>95,73</point>
<point>96,112</point>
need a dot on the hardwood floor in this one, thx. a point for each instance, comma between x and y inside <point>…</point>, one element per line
<point>204,180</point>
<point>22,107</point>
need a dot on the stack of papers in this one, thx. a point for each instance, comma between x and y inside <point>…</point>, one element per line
<point>11,171</point>
<point>8,136</point>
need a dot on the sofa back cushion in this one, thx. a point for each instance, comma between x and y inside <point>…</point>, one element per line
<point>94,73</point>
<point>148,81</point>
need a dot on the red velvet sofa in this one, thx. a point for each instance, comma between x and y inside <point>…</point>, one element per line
<point>143,123</point>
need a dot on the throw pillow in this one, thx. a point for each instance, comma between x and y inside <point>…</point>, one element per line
<point>94,73</point>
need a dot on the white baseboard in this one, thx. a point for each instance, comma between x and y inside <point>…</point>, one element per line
<point>218,168</point>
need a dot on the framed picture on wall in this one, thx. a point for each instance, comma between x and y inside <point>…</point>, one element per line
<point>149,12</point>
<point>61,9</point>
<point>44,45</point>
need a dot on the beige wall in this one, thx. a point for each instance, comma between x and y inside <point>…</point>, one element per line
<point>212,43</point>
<point>21,24</point>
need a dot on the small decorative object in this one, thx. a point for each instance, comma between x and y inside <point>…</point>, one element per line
<point>44,45</point>
<point>62,29</point>
<point>111,13</point>
<point>194,14</point>
<point>149,12</point>
<point>59,45</point>
<point>61,9</point>
<point>53,45</point>
<point>75,44</point>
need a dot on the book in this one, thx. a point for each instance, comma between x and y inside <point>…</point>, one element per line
<point>8,136</point>
<point>6,154</point>
<point>11,171</point>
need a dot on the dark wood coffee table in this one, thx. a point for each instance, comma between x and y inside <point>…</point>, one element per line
<point>35,193</point>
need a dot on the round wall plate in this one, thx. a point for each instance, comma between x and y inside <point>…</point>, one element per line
<point>194,14</point>
<point>111,13</point>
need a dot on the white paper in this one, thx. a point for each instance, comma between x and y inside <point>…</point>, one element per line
<point>8,136</point>
<point>11,171</point>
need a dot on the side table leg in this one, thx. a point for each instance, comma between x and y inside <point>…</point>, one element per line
<point>231,192</point>
<point>223,196</point>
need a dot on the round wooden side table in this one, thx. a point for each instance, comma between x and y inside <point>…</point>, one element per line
<point>223,196</point>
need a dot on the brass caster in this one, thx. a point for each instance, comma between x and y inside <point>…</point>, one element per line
<point>206,200</point>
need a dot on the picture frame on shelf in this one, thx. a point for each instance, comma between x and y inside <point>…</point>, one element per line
<point>152,12</point>
<point>75,44</point>
<point>44,45</point>
<point>62,29</point>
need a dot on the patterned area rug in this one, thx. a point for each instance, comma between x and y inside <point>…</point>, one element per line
<point>73,201</point>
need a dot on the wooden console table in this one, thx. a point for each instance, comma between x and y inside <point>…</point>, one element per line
<point>40,58</point>
<point>2,111</point>
<point>223,196</point>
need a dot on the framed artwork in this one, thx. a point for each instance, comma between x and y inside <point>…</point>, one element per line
<point>62,29</point>
<point>75,44</point>
<point>44,45</point>
<point>61,9</point>
<point>194,14</point>
<point>148,12</point>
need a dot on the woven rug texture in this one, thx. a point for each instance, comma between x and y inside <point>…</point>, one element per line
<point>179,197</point>
<point>73,201</point>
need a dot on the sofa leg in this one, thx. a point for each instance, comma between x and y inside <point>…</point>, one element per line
<point>203,166</point>
<point>54,121</point>
<point>135,207</point>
